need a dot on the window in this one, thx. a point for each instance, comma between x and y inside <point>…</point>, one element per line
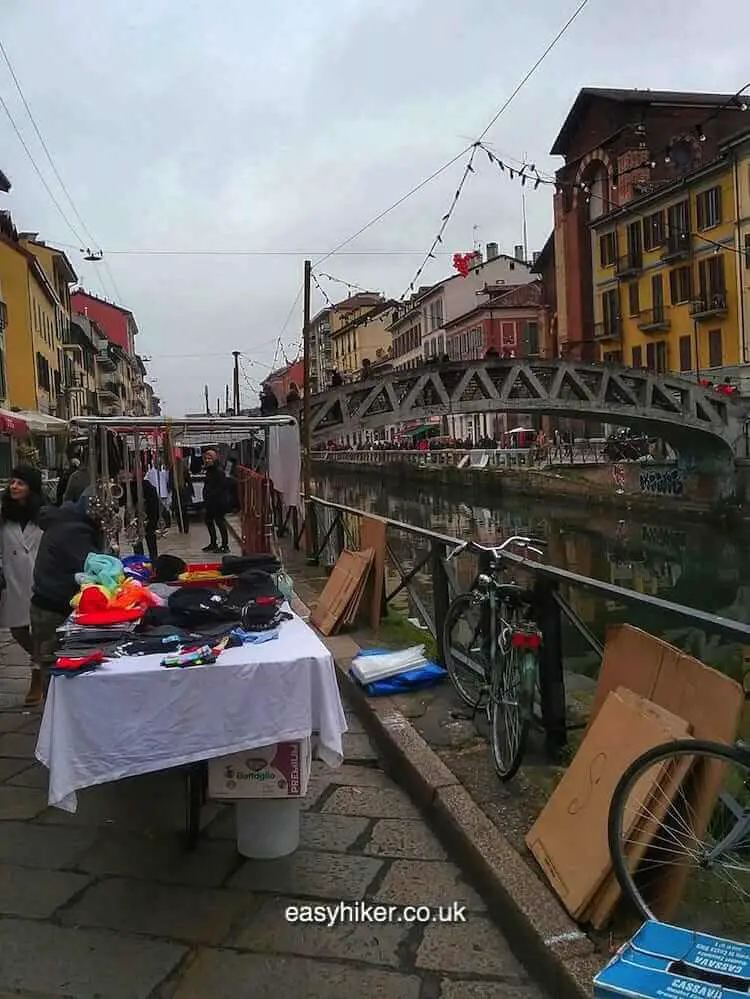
<point>715,352</point>
<point>686,354</point>
<point>532,338</point>
<point>612,357</point>
<point>634,303</point>
<point>653,231</point>
<point>679,285</point>
<point>637,357</point>
<point>708,204</point>
<point>656,356</point>
<point>678,220</point>
<point>611,311</point>
<point>635,246</point>
<point>508,334</point>
<point>657,297</point>
<point>607,249</point>
<point>42,372</point>
<point>747,251</point>
<point>711,279</point>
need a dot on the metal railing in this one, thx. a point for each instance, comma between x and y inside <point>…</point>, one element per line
<point>334,526</point>
<point>581,451</point>
<point>654,319</point>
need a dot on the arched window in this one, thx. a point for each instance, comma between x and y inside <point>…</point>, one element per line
<point>599,203</point>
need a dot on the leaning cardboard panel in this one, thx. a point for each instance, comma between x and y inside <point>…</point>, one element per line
<point>569,838</point>
<point>372,535</point>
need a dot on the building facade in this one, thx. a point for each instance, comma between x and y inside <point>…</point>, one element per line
<point>360,333</point>
<point>118,323</point>
<point>670,273</point>
<point>321,358</point>
<point>419,331</point>
<point>619,145</point>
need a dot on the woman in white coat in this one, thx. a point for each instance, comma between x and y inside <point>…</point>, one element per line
<point>20,535</point>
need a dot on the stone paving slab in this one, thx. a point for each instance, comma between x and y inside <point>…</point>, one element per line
<point>36,893</point>
<point>83,964</point>
<point>227,975</point>
<point>404,838</point>
<point>311,874</point>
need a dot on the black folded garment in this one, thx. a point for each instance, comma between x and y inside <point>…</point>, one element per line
<point>235,565</point>
<point>167,568</point>
<point>263,617</point>
<point>196,606</point>
<point>253,584</point>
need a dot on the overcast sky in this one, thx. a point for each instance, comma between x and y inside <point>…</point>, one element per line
<point>200,127</point>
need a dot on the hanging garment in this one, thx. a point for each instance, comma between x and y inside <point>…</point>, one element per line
<point>285,463</point>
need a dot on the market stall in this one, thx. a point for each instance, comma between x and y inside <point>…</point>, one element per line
<point>172,665</point>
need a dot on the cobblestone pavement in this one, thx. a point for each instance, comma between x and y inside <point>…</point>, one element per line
<point>104,904</point>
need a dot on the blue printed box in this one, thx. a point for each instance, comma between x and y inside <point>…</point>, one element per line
<point>668,962</point>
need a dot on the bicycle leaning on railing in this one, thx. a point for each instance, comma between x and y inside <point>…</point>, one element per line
<point>491,647</point>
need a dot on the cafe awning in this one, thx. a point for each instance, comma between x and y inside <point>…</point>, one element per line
<point>42,423</point>
<point>12,425</point>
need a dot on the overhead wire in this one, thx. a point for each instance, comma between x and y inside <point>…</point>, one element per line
<point>55,171</point>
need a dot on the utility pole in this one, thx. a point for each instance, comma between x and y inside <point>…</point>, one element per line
<point>226,398</point>
<point>236,384</point>
<point>307,452</point>
<point>205,396</point>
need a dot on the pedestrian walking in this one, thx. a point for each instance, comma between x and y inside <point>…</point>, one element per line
<point>215,501</point>
<point>20,536</point>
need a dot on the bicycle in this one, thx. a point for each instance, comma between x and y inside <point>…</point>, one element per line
<point>687,819</point>
<point>501,659</point>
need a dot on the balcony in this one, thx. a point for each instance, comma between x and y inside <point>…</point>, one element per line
<point>713,304</point>
<point>654,320</point>
<point>109,390</point>
<point>105,361</point>
<point>609,330</point>
<point>629,265</point>
<point>677,246</point>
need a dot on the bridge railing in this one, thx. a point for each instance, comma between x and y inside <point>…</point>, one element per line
<point>581,452</point>
<point>417,575</point>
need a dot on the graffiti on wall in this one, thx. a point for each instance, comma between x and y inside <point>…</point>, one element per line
<point>662,481</point>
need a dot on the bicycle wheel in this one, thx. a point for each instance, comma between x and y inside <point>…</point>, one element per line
<point>679,835</point>
<point>466,648</point>
<point>511,705</point>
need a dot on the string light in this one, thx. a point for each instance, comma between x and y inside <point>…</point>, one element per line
<point>430,255</point>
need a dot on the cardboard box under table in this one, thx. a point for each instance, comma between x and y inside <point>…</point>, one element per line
<point>668,962</point>
<point>266,785</point>
<point>134,716</point>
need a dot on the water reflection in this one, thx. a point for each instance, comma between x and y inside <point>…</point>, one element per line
<point>691,564</point>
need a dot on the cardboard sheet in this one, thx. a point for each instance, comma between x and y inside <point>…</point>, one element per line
<point>344,584</point>
<point>372,534</point>
<point>569,838</point>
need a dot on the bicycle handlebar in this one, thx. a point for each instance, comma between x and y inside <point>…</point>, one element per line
<point>530,544</point>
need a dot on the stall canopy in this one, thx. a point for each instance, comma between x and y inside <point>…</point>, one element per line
<point>42,423</point>
<point>13,424</point>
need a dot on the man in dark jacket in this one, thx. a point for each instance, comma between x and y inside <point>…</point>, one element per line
<point>215,500</point>
<point>70,534</point>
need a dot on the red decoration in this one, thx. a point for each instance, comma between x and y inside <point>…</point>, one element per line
<point>462,263</point>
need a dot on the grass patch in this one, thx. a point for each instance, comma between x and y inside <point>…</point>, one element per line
<point>395,632</point>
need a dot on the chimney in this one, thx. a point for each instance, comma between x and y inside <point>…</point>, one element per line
<point>492,251</point>
<point>518,252</point>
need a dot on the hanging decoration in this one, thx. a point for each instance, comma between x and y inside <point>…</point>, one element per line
<point>462,263</point>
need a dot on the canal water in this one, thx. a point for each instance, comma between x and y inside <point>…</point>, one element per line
<point>697,565</point>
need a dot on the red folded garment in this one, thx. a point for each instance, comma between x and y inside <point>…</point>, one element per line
<point>114,615</point>
<point>77,662</point>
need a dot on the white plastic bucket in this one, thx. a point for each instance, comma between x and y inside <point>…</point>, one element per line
<point>267,827</point>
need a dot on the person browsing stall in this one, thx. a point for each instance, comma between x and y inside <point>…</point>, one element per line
<point>20,537</point>
<point>215,500</point>
<point>71,532</point>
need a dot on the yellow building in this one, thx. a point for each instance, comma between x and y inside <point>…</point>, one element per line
<point>670,273</point>
<point>360,332</point>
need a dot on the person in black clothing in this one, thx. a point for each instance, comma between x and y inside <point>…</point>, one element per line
<point>269,404</point>
<point>151,509</point>
<point>70,535</point>
<point>215,501</point>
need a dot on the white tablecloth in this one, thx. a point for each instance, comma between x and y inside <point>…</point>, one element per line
<point>134,716</point>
